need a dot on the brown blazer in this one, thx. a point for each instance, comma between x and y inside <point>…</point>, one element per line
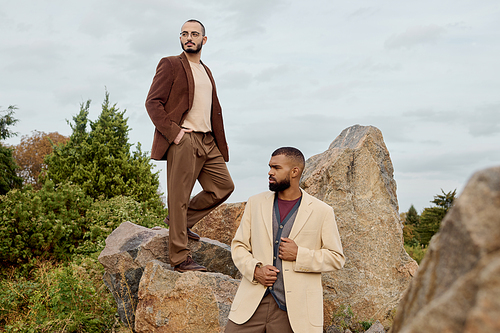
<point>169,100</point>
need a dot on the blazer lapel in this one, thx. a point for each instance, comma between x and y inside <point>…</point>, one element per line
<point>267,215</point>
<point>302,215</point>
<point>190,79</point>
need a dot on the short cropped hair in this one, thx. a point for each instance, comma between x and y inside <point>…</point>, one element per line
<point>196,21</point>
<point>292,153</point>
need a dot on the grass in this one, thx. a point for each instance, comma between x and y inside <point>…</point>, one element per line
<point>57,297</point>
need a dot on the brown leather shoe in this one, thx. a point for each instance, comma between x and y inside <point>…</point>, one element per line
<point>191,234</point>
<point>189,265</point>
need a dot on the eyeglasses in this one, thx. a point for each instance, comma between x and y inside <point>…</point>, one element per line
<point>194,34</point>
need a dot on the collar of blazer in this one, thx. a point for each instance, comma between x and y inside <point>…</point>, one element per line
<point>190,78</point>
<point>303,214</point>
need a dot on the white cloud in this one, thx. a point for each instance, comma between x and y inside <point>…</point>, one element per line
<point>414,36</point>
<point>287,73</point>
<point>485,121</point>
<point>364,12</point>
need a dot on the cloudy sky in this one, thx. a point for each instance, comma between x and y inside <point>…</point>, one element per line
<point>426,73</point>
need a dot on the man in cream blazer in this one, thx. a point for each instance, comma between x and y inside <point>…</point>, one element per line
<point>286,238</point>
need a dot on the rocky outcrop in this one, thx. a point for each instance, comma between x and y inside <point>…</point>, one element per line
<point>130,247</point>
<point>222,222</point>
<point>190,302</point>
<point>457,288</point>
<point>355,177</point>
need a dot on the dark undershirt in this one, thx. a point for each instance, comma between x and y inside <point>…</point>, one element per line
<point>285,207</point>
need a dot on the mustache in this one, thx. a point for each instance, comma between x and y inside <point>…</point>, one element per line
<point>272,178</point>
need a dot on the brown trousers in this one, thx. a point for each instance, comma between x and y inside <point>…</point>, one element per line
<point>196,157</point>
<point>268,318</point>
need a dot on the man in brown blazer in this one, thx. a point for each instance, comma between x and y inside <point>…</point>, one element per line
<point>286,238</point>
<point>189,134</point>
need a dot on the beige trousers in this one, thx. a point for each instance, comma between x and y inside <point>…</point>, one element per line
<point>196,157</point>
<point>268,318</point>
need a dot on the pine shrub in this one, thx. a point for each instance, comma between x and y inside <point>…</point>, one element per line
<point>106,215</point>
<point>49,223</point>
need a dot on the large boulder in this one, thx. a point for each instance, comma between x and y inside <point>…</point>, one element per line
<point>189,302</point>
<point>130,247</point>
<point>457,288</point>
<point>222,222</point>
<point>355,177</point>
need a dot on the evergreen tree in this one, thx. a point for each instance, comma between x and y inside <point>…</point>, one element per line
<point>412,216</point>
<point>100,161</point>
<point>8,166</point>
<point>410,235</point>
<point>430,219</point>
<point>445,200</point>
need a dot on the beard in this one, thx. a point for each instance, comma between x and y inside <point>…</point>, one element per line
<point>280,186</point>
<point>190,50</point>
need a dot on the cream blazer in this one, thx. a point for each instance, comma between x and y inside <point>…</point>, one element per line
<point>315,233</point>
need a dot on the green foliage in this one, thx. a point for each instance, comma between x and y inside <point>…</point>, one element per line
<point>418,230</point>
<point>445,200</point>
<point>6,121</point>
<point>410,236</point>
<point>344,318</point>
<point>100,160</point>
<point>105,216</point>
<point>430,221</point>
<point>8,171</point>
<point>45,223</point>
<point>412,216</point>
<point>411,220</point>
<point>416,251</point>
<point>68,297</point>
<point>8,166</point>
<point>366,324</point>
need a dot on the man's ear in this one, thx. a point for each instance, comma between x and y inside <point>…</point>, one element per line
<point>295,172</point>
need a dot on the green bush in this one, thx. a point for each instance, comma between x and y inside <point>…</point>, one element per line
<point>100,161</point>
<point>64,297</point>
<point>345,319</point>
<point>49,223</point>
<point>59,221</point>
<point>105,216</point>
<point>417,252</point>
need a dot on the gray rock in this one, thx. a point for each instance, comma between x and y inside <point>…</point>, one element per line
<point>215,256</point>
<point>333,329</point>
<point>130,247</point>
<point>377,327</point>
<point>190,302</point>
<point>457,288</point>
<point>355,177</point>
